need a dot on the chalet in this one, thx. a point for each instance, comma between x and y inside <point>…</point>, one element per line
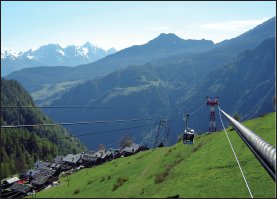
<point>104,155</point>
<point>89,160</point>
<point>44,177</point>
<point>72,160</point>
<point>116,153</point>
<point>20,190</point>
<point>55,166</point>
<point>134,148</point>
<point>109,155</point>
<point>40,164</point>
<point>58,159</point>
<point>29,175</point>
<point>9,182</point>
<point>65,167</point>
<point>24,175</point>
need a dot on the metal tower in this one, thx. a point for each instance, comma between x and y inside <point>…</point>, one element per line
<point>212,104</point>
<point>161,139</point>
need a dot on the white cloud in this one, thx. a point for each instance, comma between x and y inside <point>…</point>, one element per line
<point>233,25</point>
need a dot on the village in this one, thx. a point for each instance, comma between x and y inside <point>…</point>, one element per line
<point>47,174</point>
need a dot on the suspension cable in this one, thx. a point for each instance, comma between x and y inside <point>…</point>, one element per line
<point>235,155</point>
<point>74,123</point>
<point>18,107</point>
<point>197,109</point>
<point>96,133</point>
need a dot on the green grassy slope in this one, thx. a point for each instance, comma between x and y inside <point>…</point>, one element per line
<point>206,169</point>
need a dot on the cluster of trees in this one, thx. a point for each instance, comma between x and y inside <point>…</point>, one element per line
<point>21,147</point>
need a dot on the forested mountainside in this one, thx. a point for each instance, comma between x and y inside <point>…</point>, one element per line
<point>147,91</point>
<point>21,147</point>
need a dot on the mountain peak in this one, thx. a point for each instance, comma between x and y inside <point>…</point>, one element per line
<point>9,52</point>
<point>49,47</point>
<point>167,36</point>
<point>88,45</point>
<point>111,50</point>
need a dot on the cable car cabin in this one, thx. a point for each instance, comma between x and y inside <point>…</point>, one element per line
<point>188,136</point>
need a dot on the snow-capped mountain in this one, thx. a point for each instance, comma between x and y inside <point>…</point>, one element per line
<point>9,53</point>
<point>51,55</point>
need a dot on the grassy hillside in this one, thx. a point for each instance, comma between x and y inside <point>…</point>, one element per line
<point>205,169</point>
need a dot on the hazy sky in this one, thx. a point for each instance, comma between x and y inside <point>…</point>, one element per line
<point>26,25</point>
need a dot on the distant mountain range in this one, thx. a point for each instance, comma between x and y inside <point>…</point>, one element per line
<point>52,55</point>
<point>166,77</point>
<point>46,85</point>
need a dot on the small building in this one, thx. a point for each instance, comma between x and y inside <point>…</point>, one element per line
<point>55,166</point>
<point>29,175</point>
<point>116,153</point>
<point>9,182</point>
<point>21,189</point>
<point>44,177</point>
<point>41,165</point>
<point>104,155</point>
<point>89,160</point>
<point>72,160</point>
<point>58,159</point>
<point>65,167</point>
<point>134,148</point>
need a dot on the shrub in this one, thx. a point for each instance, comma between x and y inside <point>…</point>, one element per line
<point>90,181</point>
<point>102,179</point>
<point>198,147</point>
<point>126,142</point>
<point>119,182</point>
<point>161,177</point>
<point>109,177</point>
<point>77,191</point>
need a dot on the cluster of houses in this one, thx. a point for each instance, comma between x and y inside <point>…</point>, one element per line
<point>46,174</point>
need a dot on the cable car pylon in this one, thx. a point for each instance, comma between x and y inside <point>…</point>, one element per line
<point>212,104</point>
<point>160,142</point>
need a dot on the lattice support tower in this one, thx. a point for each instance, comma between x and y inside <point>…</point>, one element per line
<point>212,104</point>
<point>164,138</point>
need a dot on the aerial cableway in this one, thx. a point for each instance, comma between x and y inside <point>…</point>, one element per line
<point>263,151</point>
<point>188,135</point>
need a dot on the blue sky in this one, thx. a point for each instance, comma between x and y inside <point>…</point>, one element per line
<point>26,25</point>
